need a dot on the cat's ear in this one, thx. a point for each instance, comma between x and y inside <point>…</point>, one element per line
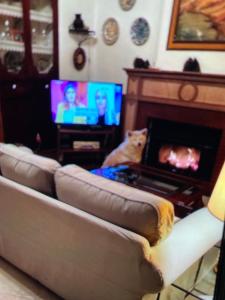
<point>129,133</point>
<point>144,131</point>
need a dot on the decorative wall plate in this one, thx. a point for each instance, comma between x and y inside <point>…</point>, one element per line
<point>127,4</point>
<point>79,58</point>
<point>110,31</point>
<point>140,31</point>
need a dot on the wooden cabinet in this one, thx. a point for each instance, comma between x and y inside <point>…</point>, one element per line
<point>28,61</point>
<point>87,154</point>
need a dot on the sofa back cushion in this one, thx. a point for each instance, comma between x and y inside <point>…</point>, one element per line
<point>29,169</point>
<point>133,209</point>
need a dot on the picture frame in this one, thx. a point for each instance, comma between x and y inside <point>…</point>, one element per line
<point>197,25</point>
<point>79,58</point>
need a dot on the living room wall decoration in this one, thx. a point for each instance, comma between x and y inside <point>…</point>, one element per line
<point>140,31</point>
<point>79,58</point>
<point>197,25</point>
<point>127,4</point>
<point>110,31</point>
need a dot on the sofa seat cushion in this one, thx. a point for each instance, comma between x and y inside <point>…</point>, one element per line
<point>133,209</point>
<point>29,169</point>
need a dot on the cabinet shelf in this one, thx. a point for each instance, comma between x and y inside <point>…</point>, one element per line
<point>8,45</point>
<point>11,10</point>
<point>89,132</point>
<point>39,49</point>
<point>67,136</point>
<point>83,150</point>
<point>45,17</point>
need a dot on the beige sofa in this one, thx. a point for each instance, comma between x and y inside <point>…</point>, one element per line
<point>101,239</point>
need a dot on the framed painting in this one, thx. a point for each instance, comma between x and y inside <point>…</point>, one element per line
<point>197,25</point>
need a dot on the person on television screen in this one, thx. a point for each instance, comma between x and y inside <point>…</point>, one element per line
<point>79,103</point>
<point>106,116</point>
<point>66,108</point>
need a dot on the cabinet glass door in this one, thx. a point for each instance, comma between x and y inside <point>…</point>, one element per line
<point>11,35</point>
<point>41,16</point>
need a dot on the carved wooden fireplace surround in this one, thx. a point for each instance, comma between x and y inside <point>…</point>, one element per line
<point>183,97</point>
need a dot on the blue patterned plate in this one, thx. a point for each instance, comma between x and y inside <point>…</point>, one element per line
<point>140,31</point>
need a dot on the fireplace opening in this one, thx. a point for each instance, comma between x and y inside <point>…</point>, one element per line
<point>182,148</point>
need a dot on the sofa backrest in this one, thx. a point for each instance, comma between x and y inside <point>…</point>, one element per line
<point>31,170</point>
<point>73,253</point>
<point>130,208</point>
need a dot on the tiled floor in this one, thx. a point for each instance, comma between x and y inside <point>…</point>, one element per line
<point>205,288</point>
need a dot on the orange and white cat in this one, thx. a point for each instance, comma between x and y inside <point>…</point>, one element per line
<point>128,151</point>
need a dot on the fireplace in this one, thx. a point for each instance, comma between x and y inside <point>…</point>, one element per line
<point>181,148</point>
<point>185,115</point>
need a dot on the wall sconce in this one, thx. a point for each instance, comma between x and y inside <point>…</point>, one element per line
<point>80,31</point>
<point>81,34</point>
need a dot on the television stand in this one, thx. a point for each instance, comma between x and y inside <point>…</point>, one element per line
<point>84,146</point>
<point>185,197</point>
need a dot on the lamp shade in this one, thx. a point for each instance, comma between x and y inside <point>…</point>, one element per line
<point>216,204</point>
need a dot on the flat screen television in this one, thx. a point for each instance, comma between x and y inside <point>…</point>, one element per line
<point>86,103</point>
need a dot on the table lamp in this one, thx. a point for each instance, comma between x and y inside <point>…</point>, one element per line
<point>216,204</point>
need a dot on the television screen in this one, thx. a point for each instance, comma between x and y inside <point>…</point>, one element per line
<point>86,103</point>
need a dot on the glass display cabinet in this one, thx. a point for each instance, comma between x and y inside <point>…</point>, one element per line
<point>12,50</point>
<point>22,33</point>
<point>28,61</point>
<point>41,17</point>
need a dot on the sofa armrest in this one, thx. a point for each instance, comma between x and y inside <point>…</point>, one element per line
<point>191,238</point>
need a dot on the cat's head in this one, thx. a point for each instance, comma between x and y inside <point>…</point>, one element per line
<point>137,138</point>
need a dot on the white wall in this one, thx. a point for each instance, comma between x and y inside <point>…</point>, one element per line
<point>210,61</point>
<point>67,44</point>
<point>106,63</point>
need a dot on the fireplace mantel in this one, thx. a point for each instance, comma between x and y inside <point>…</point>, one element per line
<point>187,97</point>
<point>188,89</point>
